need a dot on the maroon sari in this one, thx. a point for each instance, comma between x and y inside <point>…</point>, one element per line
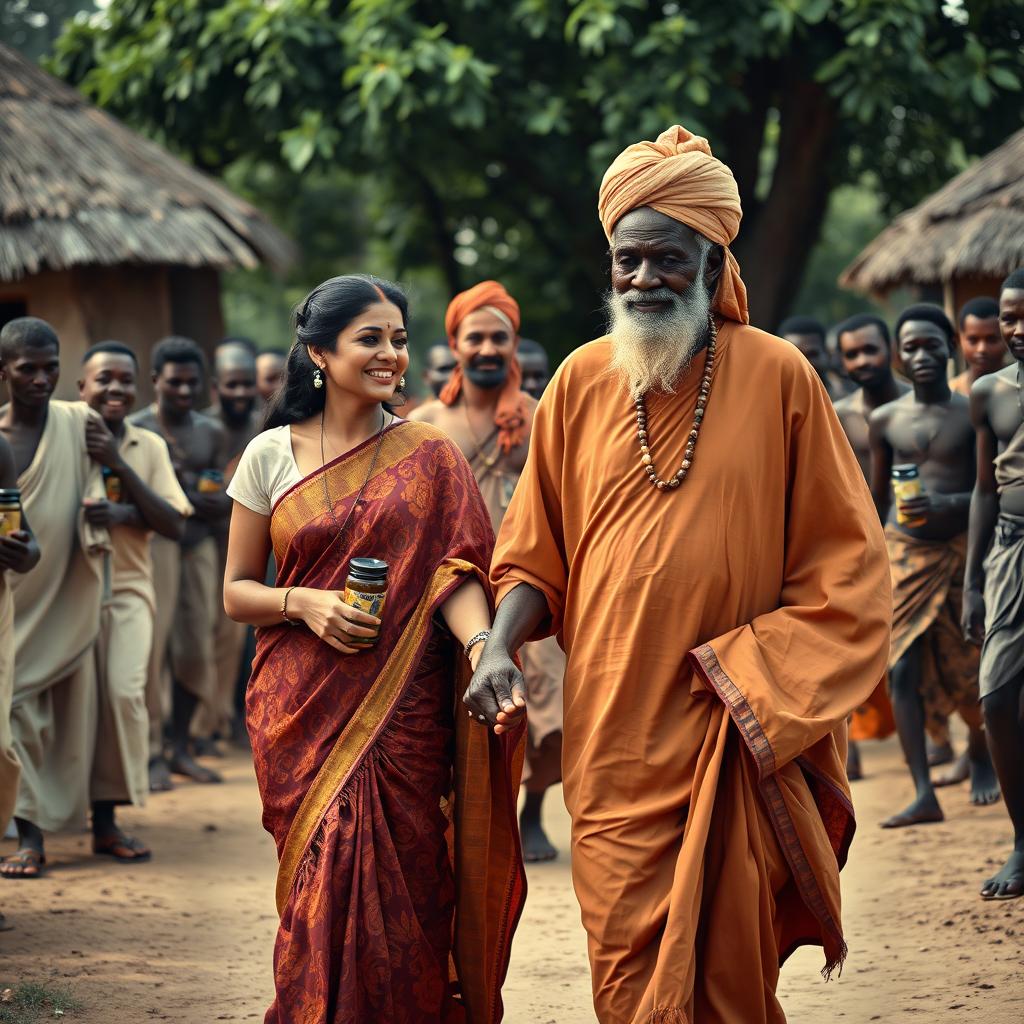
<point>401,878</point>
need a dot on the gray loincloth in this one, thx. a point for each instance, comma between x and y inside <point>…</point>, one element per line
<point>1002,654</point>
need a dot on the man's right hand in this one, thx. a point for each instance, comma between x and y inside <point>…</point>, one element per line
<point>973,619</point>
<point>16,551</point>
<point>497,692</point>
<point>335,622</point>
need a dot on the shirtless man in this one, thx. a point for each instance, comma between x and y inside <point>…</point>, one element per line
<point>440,361</point>
<point>487,415</point>
<point>980,342</point>
<point>188,602</point>
<point>533,360</point>
<point>239,413</point>
<point>808,335</point>
<point>993,596</point>
<point>865,349</point>
<point>932,669</point>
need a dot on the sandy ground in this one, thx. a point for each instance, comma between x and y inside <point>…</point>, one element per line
<point>187,938</point>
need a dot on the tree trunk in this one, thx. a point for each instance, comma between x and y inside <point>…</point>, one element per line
<point>774,248</point>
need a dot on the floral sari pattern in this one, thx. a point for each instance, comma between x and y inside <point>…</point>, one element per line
<point>400,878</point>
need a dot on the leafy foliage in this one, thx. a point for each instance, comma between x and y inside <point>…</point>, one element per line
<point>484,128</point>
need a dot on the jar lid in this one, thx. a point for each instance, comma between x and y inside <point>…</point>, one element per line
<point>368,568</point>
<point>908,469</point>
<point>9,494</point>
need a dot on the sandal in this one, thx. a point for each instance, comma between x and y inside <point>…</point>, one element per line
<point>26,863</point>
<point>121,847</point>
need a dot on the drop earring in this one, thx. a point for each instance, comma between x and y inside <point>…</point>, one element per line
<point>318,380</point>
<point>401,382</point>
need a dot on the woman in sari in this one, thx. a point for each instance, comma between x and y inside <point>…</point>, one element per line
<point>386,803</point>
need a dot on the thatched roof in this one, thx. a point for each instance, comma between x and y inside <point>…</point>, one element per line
<point>972,227</point>
<point>79,188</point>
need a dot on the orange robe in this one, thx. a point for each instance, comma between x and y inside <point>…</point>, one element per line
<point>718,637</point>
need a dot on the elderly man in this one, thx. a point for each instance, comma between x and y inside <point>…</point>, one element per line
<point>693,525</point>
<point>486,412</point>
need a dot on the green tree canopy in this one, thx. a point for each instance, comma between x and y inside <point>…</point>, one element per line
<point>485,128</point>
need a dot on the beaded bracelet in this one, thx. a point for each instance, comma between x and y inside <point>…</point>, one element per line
<point>482,636</point>
<point>284,608</point>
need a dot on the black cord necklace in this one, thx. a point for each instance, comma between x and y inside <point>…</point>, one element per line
<point>373,465</point>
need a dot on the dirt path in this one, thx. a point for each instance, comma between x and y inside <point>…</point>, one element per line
<point>188,937</point>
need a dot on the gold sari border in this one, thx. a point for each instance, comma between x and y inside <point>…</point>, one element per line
<point>363,728</point>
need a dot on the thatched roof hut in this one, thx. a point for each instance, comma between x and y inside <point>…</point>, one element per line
<point>104,233</point>
<point>959,242</point>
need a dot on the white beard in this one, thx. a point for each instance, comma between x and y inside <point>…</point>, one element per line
<point>650,351</point>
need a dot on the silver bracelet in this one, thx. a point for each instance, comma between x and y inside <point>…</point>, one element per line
<point>480,638</point>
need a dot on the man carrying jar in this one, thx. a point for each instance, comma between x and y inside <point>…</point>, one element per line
<point>922,447</point>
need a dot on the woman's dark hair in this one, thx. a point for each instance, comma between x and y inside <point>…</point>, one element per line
<point>325,312</point>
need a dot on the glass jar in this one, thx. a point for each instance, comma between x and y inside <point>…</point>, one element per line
<point>211,481</point>
<point>10,511</point>
<point>112,484</point>
<point>366,588</point>
<point>907,484</point>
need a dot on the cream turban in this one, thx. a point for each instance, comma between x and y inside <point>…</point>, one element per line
<point>678,176</point>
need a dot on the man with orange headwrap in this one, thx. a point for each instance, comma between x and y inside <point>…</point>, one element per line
<point>692,524</point>
<point>487,414</point>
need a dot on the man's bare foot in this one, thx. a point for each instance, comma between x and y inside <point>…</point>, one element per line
<point>853,766</point>
<point>938,753</point>
<point>5,925</point>
<point>1008,882</point>
<point>159,776</point>
<point>984,784</point>
<point>26,863</point>
<point>924,810</point>
<point>185,764</point>
<point>957,772</point>
<point>207,746</point>
<point>536,845</point>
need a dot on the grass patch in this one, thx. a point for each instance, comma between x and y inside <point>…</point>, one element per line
<point>30,1002</point>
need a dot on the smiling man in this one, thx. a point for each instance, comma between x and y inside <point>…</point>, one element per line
<point>188,602</point>
<point>933,670</point>
<point>993,612</point>
<point>692,523</point>
<point>143,497</point>
<point>57,604</point>
<point>484,411</point>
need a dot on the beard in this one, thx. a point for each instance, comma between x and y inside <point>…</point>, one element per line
<point>651,351</point>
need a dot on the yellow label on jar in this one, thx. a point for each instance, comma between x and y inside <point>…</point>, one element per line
<point>10,521</point>
<point>905,490</point>
<point>372,604</point>
<point>112,484</point>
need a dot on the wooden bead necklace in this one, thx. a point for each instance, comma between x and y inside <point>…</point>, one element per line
<point>646,459</point>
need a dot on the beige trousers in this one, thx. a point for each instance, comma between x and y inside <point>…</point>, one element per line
<point>10,768</point>
<point>186,615</point>
<point>119,766</point>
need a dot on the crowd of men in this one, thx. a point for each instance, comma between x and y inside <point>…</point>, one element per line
<point>124,522</point>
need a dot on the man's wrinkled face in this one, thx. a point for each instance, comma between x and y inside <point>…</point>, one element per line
<point>440,364</point>
<point>536,372</point>
<point>32,374</point>
<point>236,388</point>
<point>269,373</point>
<point>865,356</point>
<point>177,386</point>
<point>812,347</point>
<point>108,385</point>
<point>1011,321</point>
<point>924,350</point>
<point>982,344</point>
<point>485,343</point>
<point>663,276</point>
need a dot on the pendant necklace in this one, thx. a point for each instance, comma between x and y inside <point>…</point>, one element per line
<point>373,465</point>
<point>646,459</point>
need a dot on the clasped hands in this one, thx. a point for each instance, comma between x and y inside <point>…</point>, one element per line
<point>496,696</point>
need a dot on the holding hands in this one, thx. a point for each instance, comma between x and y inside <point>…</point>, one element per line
<point>497,692</point>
